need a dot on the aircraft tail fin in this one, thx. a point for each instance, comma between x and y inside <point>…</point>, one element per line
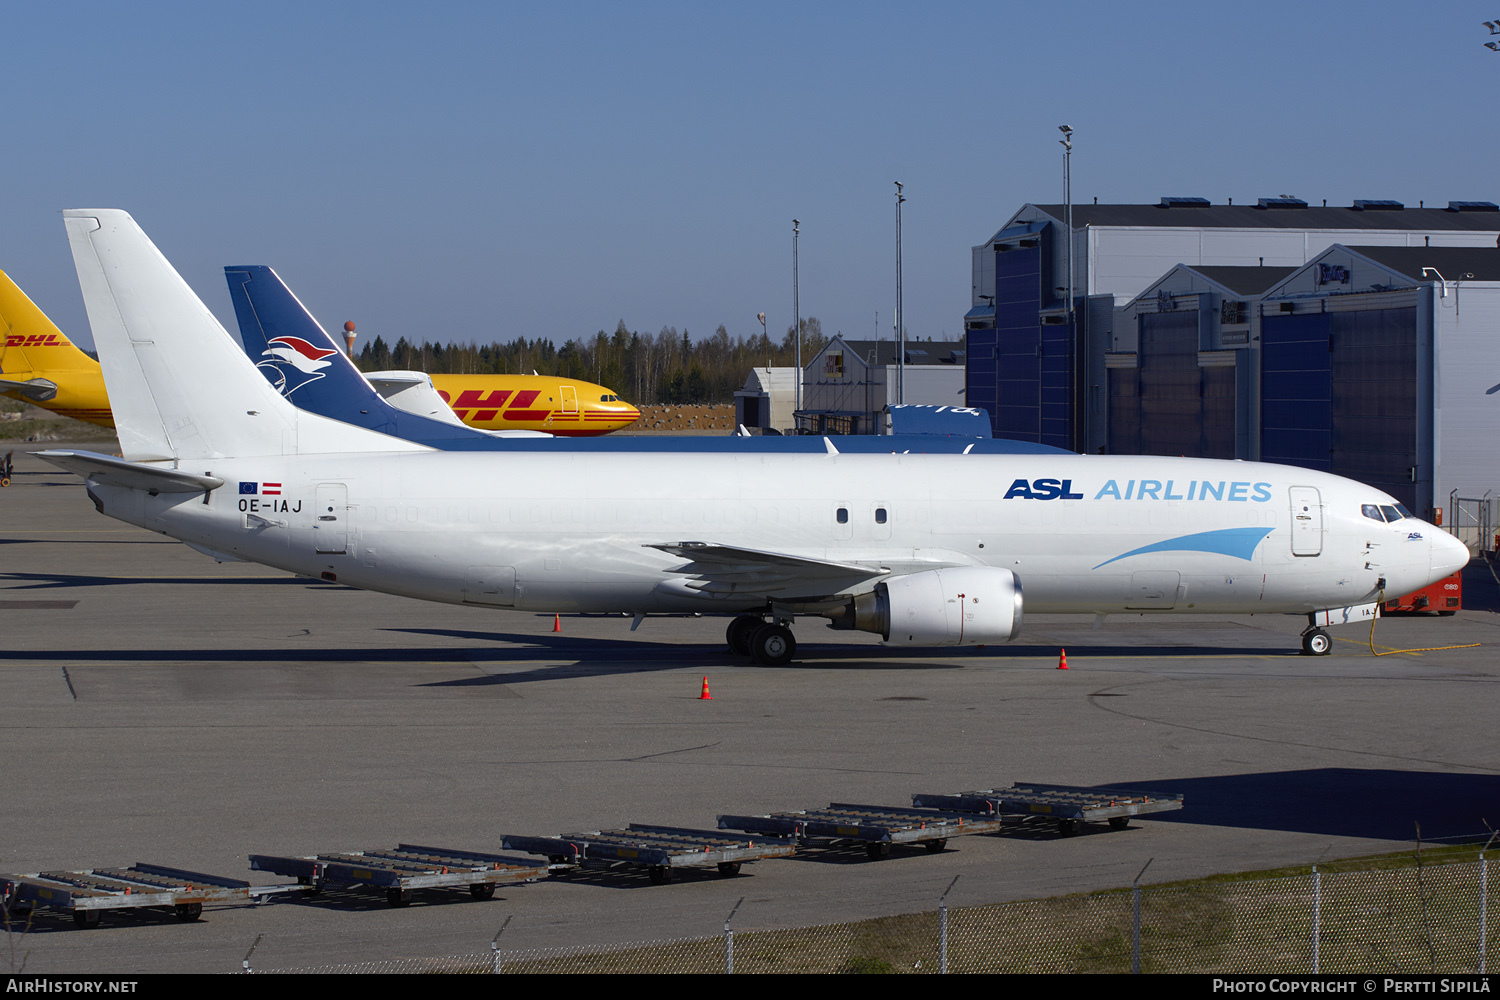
<point>307,366</point>
<point>29,341</point>
<point>179,385</point>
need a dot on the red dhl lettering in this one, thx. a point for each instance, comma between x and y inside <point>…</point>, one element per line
<point>524,399</point>
<point>35,340</point>
<point>471,399</point>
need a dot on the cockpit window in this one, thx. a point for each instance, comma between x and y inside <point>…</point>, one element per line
<point>1384,512</point>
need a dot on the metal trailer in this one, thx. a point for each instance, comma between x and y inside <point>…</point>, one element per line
<point>659,848</point>
<point>90,892</point>
<point>877,827</point>
<point>1064,803</point>
<point>403,869</point>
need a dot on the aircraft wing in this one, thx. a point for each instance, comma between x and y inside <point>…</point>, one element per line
<point>132,475</point>
<point>38,390</point>
<point>719,571</point>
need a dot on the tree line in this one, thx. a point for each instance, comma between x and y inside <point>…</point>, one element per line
<point>643,368</point>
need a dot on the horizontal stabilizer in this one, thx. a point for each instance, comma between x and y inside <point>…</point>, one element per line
<point>38,390</point>
<point>132,475</point>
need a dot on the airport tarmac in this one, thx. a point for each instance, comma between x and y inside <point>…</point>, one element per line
<point>159,707</point>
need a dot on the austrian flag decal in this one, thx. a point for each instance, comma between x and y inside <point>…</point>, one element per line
<point>260,489</point>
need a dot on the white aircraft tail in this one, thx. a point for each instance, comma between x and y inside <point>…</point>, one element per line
<point>179,385</point>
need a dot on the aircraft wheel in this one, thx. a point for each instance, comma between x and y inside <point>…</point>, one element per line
<point>739,632</point>
<point>772,645</point>
<point>1316,643</point>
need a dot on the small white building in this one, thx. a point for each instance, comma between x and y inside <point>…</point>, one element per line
<point>849,383</point>
<point>767,400</point>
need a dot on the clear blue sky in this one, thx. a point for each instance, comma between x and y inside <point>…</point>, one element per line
<point>484,171</point>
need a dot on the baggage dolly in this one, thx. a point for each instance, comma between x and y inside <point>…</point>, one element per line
<point>876,827</point>
<point>88,893</point>
<point>403,869</point>
<point>1068,805</point>
<point>659,848</point>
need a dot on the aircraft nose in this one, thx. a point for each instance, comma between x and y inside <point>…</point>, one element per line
<point>1449,555</point>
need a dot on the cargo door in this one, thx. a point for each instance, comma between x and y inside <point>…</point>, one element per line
<point>1153,589</point>
<point>1307,521</point>
<point>569,401</point>
<point>491,585</point>
<point>331,519</point>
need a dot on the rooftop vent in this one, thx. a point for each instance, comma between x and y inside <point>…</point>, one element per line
<point>1168,201</point>
<point>1378,205</point>
<point>1473,206</point>
<point>1282,201</point>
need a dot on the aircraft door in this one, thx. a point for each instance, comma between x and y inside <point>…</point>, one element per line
<point>490,585</point>
<point>569,401</point>
<point>331,519</point>
<point>1155,589</point>
<point>1307,521</point>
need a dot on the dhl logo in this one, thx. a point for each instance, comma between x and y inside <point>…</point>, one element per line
<point>34,340</point>
<point>487,404</point>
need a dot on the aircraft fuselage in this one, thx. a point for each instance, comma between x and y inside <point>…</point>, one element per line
<point>552,532</point>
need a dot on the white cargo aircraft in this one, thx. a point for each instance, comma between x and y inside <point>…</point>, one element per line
<point>925,550</point>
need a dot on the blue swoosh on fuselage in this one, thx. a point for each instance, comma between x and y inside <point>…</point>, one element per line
<point>1237,542</point>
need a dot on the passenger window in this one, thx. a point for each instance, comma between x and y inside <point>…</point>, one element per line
<point>1371,511</point>
<point>843,515</point>
<point>879,515</point>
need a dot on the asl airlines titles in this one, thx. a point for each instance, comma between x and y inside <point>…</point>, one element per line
<point>1143,489</point>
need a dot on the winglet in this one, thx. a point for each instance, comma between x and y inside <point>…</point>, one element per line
<point>827,443</point>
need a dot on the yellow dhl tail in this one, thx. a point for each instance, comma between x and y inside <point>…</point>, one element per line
<point>42,367</point>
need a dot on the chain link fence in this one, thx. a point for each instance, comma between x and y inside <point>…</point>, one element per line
<point>1419,920</point>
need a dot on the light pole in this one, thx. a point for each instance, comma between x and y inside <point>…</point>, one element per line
<point>765,337</point>
<point>1067,144</point>
<point>796,318</point>
<point>900,328</point>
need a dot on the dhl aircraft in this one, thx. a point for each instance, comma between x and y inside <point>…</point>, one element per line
<point>41,366</point>
<point>564,407</point>
<point>921,549</point>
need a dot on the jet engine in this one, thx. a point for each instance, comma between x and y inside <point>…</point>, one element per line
<point>961,606</point>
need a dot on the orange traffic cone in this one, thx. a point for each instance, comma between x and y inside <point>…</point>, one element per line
<point>557,623</point>
<point>705,696</point>
<point>1062,661</point>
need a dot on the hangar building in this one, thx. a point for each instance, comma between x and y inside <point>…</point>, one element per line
<point>1042,369</point>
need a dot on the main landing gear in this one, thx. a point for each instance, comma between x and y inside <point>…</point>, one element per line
<point>1316,642</point>
<point>770,644</point>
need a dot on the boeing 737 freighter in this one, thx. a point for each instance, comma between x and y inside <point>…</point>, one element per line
<point>923,549</point>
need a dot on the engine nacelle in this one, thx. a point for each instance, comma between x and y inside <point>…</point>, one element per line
<point>962,606</point>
